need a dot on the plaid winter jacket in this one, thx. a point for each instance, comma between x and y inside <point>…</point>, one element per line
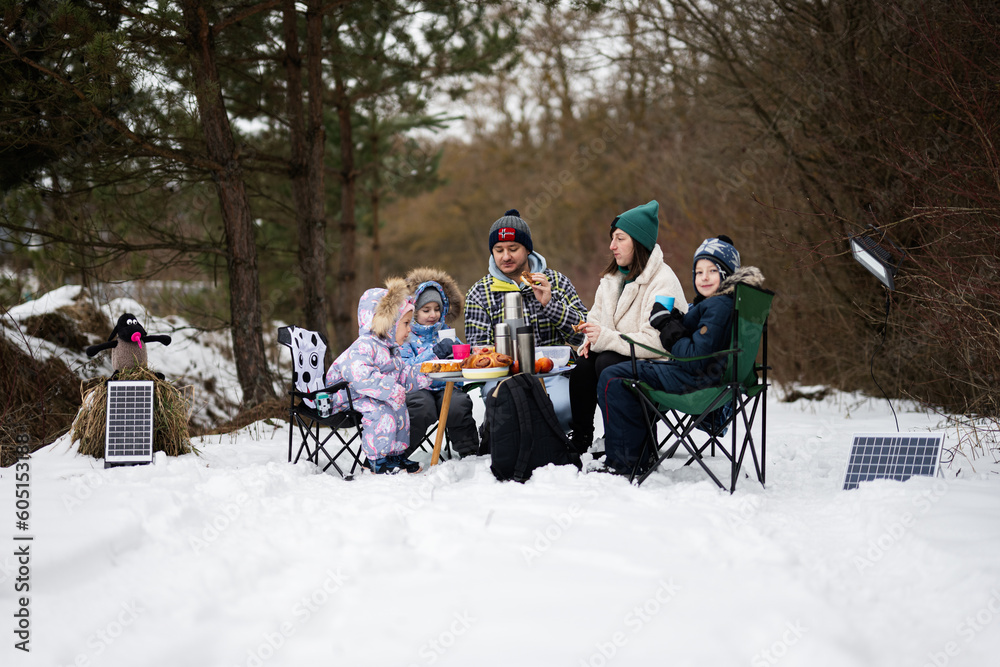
<point>552,324</point>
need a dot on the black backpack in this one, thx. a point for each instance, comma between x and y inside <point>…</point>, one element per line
<point>521,430</point>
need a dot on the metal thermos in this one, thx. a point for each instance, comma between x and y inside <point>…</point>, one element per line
<point>526,349</point>
<point>503,340</point>
<point>513,306</point>
<point>513,317</point>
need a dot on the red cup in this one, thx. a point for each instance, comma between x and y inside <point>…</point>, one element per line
<point>460,351</point>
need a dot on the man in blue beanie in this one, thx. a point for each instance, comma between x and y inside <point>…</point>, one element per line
<point>551,303</point>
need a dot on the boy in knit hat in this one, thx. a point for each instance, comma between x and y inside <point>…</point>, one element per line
<point>551,304</point>
<point>705,328</point>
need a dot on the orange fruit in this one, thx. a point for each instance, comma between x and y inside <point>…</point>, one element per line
<point>543,365</point>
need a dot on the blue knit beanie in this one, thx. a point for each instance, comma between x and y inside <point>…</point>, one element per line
<point>721,252</point>
<point>511,227</point>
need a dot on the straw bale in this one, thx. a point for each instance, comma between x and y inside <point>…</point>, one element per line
<point>170,416</point>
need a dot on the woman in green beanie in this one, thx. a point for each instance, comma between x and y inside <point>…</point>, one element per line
<point>625,296</point>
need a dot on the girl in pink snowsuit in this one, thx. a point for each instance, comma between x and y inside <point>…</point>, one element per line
<point>378,376</point>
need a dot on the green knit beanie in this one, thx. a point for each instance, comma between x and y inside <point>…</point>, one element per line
<point>640,223</point>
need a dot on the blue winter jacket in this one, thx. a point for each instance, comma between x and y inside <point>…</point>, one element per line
<point>710,322</point>
<point>420,346</point>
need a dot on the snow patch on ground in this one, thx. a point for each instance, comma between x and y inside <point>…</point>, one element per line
<point>236,557</point>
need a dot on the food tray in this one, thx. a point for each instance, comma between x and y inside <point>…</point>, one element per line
<point>445,375</point>
<point>485,373</point>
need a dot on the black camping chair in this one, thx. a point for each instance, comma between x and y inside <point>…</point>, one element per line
<point>743,388</point>
<point>308,350</point>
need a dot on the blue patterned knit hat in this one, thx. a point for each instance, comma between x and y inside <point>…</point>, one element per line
<point>721,252</point>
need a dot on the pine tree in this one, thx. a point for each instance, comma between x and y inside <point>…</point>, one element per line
<point>74,72</point>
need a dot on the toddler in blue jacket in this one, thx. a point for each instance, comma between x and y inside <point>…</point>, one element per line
<point>438,303</point>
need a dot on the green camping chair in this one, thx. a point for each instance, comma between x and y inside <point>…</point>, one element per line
<point>742,389</point>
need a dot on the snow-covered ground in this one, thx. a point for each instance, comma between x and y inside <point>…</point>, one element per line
<point>235,557</point>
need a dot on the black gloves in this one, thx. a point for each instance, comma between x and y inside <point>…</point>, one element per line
<point>442,349</point>
<point>659,315</point>
<point>670,324</point>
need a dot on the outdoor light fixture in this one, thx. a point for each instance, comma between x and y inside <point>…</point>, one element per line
<point>874,256</point>
<point>871,255</point>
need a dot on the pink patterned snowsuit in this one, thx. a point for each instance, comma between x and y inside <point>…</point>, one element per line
<point>379,380</point>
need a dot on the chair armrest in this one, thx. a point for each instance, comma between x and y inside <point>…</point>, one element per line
<point>343,385</point>
<point>633,343</point>
<point>332,389</point>
<point>670,357</point>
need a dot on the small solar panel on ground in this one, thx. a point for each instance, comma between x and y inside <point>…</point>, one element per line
<point>129,428</point>
<point>896,456</point>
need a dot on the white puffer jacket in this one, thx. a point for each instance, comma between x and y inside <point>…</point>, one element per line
<point>629,313</point>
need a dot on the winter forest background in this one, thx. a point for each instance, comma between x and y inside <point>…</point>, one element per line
<point>246,162</point>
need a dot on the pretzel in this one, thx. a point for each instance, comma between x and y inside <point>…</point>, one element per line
<point>578,327</point>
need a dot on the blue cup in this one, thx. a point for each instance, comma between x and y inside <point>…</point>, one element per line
<point>666,301</point>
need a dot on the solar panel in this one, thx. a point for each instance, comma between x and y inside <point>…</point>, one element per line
<point>129,429</point>
<point>896,456</point>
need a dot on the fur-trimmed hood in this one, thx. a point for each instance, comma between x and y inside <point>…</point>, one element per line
<point>748,275</point>
<point>380,309</point>
<point>424,277</point>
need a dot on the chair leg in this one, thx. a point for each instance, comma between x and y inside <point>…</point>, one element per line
<point>427,444</point>
<point>649,444</point>
<point>304,433</point>
<point>763,424</point>
<point>310,432</point>
<point>682,439</point>
<point>693,451</point>
<point>735,462</point>
<point>748,438</point>
<point>345,446</point>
